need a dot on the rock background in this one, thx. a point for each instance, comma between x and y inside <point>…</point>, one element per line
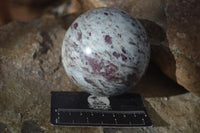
<point>183,35</point>
<point>30,68</point>
<point>153,10</point>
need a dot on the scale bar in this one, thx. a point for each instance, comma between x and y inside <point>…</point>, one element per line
<point>100,124</point>
<point>71,109</point>
<point>102,111</point>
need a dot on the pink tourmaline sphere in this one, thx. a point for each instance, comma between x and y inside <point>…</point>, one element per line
<point>105,51</point>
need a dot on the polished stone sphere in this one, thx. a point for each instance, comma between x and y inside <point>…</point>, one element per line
<point>105,51</point>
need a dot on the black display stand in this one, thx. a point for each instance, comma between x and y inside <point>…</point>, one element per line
<point>73,109</point>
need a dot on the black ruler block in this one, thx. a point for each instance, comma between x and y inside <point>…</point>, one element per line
<point>72,109</point>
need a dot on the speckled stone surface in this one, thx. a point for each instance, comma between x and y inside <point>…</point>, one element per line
<point>105,51</point>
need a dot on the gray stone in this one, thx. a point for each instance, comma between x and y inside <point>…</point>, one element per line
<point>30,127</point>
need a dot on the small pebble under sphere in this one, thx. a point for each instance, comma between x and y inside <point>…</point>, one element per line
<point>105,51</point>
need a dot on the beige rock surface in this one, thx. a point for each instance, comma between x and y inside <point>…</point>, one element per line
<point>26,10</point>
<point>183,34</point>
<point>30,68</point>
<point>22,10</point>
<point>179,55</point>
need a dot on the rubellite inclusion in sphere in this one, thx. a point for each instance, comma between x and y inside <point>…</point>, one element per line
<point>105,51</point>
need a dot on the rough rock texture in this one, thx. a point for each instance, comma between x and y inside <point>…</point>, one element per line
<point>184,42</point>
<point>25,10</point>
<point>30,68</point>
<point>152,10</point>
<point>22,10</point>
<point>180,57</point>
<point>67,7</point>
